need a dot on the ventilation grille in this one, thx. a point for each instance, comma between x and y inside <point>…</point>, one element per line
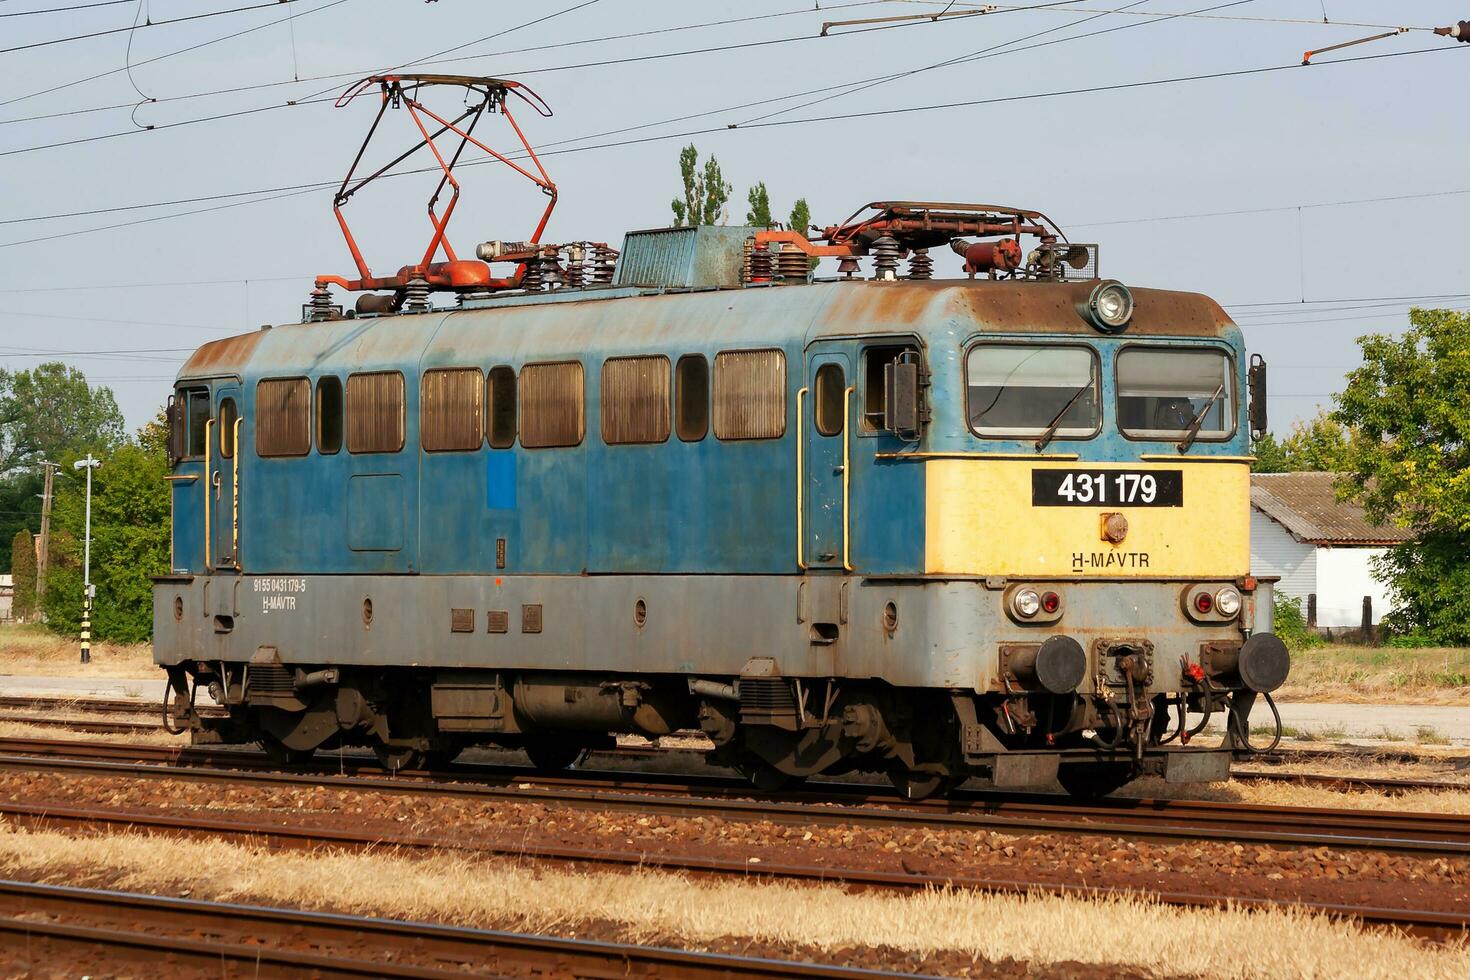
<point>271,681</point>
<point>766,694</point>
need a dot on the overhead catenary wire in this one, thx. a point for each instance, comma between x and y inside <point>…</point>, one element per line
<point>65,10</point>
<point>361,72</point>
<point>997,50</point>
<point>1252,19</point>
<point>171,54</point>
<point>318,97</point>
<point>150,23</point>
<point>806,120</point>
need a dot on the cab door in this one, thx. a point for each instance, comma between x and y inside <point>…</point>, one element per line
<point>825,427</point>
<point>224,477</point>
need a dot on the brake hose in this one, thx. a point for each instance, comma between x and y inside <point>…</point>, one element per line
<point>167,722</point>
<point>1183,721</point>
<point>1117,728</point>
<point>1242,729</point>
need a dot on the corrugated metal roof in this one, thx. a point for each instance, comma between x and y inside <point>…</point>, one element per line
<point>1306,504</point>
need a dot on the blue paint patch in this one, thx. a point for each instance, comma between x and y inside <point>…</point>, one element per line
<point>500,480</point>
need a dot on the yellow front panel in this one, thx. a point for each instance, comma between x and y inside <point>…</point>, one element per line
<point>980,521</point>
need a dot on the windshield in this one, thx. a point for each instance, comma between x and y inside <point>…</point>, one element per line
<point>1018,391</point>
<point>1161,393</point>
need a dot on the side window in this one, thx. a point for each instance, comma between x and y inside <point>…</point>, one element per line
<point>228,413</point>
<point>375,412</point>
<point>198,413</point>
<point>450,409</point>
<point>635,400</point>
<point>875,359</point>
<point>282,417</point>
<point>750,394</point>
<point>828,400</point>
<point>552,400</point>
<point>500,422</point>
<point>691,397</point>
<point>328,414</point>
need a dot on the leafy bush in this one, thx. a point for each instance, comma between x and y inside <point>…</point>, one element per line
<point>1290,623</point>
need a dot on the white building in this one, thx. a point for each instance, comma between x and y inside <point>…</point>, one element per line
<point>1319,546</point>
<point>7,591</point>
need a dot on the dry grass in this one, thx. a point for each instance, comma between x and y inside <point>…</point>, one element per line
<point>1364,675</point>
<point>1289,794</point>
<point>657,907</point>
<point>31,651</point>
<point>11,729</point>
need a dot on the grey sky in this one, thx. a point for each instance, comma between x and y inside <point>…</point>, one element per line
<point>1380,128</point>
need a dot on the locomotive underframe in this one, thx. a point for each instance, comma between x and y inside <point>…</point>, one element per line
<point>788,676</point>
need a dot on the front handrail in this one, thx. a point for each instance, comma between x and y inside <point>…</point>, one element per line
<point>800,479</point>
<point>235,493</point>
<point>208,487</point>
<point>847,477</point>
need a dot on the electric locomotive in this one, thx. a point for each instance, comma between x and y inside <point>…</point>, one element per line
<point>992,527</point>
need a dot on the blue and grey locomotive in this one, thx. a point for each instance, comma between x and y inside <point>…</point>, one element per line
<point>993,526</point>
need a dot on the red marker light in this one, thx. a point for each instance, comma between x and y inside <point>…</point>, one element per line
<point>1051,602</point>
<point>1204,602</point>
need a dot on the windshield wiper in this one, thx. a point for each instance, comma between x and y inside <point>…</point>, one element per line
<point>1056,423</point>
<point>1199,420</point>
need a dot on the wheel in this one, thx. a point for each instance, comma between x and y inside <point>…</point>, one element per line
<point>442,758</point>
<point>281,755</point>
<point>396,758</point>
<point>552,754</point>
<point>913,785</point>
<point>768,779</point>
<point>1091,782</point>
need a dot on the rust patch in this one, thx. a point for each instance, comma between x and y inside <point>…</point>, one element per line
<point>1014,307</point>
<point>225,356</point>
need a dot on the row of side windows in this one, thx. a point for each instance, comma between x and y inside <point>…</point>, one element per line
<point>461,408</point>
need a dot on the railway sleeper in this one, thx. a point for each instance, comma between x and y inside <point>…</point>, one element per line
<point>775,730</point>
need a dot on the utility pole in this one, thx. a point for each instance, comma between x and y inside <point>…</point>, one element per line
<point>45,555</point>
<point>89,464</point>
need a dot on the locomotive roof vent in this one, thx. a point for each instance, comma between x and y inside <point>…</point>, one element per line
<point>698,257</point>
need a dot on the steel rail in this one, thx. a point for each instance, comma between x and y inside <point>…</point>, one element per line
<point>1410,833</point>
<point>454,949</point>
<point>1428,924</point>
<point>1389,785</point>
<point>90,726</point>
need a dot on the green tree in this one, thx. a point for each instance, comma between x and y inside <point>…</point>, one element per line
<point>801,216</point>
<point>1409,402</point>
<point>51,411</point>
<point>20,507</point>
<point>800,220</point>
<point>23,567</point>
<point>1270,456</point>
<point>759,215</point>
<point>705,190</point>
<point>130,541</point>
<point>1319,444</point>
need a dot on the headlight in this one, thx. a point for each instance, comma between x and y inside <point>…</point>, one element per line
<point>1027,603</point>
<point>1227,602</point>
<point>1109,307</point>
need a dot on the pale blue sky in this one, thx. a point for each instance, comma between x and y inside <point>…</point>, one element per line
<point>1388,127</point>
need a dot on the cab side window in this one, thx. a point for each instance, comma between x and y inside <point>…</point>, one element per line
<point>198,413</point>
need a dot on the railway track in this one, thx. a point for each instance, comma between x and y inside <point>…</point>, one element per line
<point>1258,771</point>
<point>1426,924</point>
<point>258,940</point>
<point>1432,925</point>
<point>1411,833</point>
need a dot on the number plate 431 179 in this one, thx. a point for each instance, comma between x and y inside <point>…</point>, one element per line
<point>1107,488</point>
